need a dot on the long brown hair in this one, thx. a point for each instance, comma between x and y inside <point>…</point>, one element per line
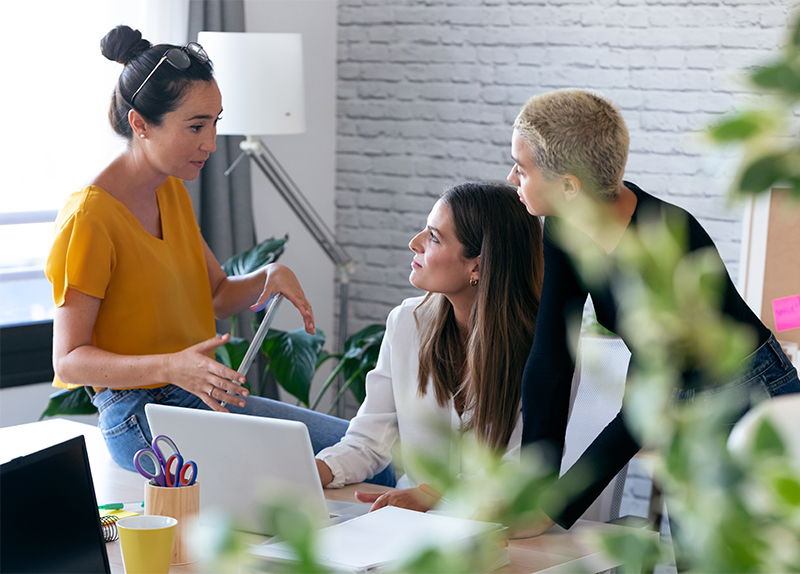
<point>486,373</point>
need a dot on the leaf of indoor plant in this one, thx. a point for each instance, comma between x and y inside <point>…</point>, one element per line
<point>357,371</point>
<point>256,257</point>
<point>232,353</point>
<point>293,359</point>
<point>69,402</point>
<point>360,357</point>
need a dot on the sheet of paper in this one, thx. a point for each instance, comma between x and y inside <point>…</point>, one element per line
<point>388,535</point>
<point>786,312</point>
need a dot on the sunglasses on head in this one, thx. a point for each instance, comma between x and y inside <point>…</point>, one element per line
<point>179,58</point>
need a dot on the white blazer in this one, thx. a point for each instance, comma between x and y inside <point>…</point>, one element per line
<point>393,407</point>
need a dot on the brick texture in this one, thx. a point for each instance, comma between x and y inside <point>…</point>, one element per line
<point>428,90</point>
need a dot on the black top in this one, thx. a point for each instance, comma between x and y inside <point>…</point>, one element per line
<point>549,371</point>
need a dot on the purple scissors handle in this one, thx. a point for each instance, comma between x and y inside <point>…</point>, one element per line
<point>156,456</point>
<point>163,458</point>
<point>158,475</point>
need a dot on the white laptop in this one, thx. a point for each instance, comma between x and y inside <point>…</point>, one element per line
<point>244,461</point>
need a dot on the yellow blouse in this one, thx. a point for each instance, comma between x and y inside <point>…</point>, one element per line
<point>156,295</point>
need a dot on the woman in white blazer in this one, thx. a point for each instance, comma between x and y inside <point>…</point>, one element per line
<point>452,359</point>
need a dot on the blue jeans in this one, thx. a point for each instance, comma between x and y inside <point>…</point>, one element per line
<point>767,372</point>
<point>126,430</point>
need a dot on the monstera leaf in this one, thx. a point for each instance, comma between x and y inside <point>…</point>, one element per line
<point>292,359</point>
<point>69,402</point>
<point>360,356</point>
<point>256,257</point>
<point>232,353</point>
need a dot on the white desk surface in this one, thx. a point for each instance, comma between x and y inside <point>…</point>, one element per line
<point>553,552</point>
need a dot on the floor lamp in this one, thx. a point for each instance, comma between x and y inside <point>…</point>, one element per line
<point>261,80</point>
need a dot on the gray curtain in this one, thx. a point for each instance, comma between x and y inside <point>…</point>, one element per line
<point>223,204</point>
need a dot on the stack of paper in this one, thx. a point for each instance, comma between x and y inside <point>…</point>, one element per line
<point>385,537</point>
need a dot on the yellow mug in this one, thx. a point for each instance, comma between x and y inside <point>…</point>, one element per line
<point>146,543</point>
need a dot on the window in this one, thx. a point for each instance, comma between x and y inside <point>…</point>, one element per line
<point>56,137</point>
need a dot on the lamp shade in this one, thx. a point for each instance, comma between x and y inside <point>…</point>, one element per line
<point>260,77</point>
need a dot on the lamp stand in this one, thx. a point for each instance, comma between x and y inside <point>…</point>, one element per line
<point>253,147</point>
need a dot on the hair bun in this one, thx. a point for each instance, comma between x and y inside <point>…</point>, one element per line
<point>123,44</point>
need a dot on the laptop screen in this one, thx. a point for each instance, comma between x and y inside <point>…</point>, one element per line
<point>48,513</point>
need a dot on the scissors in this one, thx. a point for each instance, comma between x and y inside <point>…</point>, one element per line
<point>179,478</point>
<point>158,459</point>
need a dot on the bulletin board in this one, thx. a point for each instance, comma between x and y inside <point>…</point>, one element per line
<point>771,261</point>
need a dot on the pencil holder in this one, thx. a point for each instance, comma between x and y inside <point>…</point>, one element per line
<point>183,504</point>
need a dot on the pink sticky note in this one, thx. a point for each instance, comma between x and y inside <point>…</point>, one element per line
<point>786,312</point>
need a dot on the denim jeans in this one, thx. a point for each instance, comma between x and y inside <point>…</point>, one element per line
<point>125,428</point>
<point>767,372</point>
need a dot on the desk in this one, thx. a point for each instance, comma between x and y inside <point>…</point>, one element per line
<point>555,551</point>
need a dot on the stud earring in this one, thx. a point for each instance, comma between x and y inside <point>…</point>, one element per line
<point>473,282</point>
<point>141,135</point>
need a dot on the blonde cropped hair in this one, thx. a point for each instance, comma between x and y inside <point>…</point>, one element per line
<point>576,132</point>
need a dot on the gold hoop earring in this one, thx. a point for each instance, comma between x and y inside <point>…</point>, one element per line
<point>473,282</point>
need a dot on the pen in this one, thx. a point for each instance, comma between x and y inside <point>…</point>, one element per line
<point>119,505</point>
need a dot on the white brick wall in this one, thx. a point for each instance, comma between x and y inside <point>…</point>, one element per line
<point>428,90</point>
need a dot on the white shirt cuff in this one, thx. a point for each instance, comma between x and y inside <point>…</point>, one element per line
<point>336,470</point>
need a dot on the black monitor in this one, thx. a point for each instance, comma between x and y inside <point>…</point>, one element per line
<point>48,513</point>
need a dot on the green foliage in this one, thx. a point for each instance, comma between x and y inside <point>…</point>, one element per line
<point>769,170</point>
<point>640,549</point>
<point>266,252</point>
<point>295,356</point>
<point>462,559</point>
<point>360,356</point>
<point>768,441</point>
<point>592,326</point>
<point>232,353</point>
<point>741,126</point>
<point>293,359</point>
<point>780,76</point>
<point>70,402</point>
<point>768,135</point>
<point>297,530</point>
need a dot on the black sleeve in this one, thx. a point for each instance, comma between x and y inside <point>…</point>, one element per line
<point>569,497</point>
<point>546,388</point>
<point>733,305</point>
<point>547,378</point>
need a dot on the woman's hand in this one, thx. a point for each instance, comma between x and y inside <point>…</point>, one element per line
<point>193,370</point>
<point>281,279</point>
<point>411,498</point>
<point>232,295</point>
<point>539,525</point>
